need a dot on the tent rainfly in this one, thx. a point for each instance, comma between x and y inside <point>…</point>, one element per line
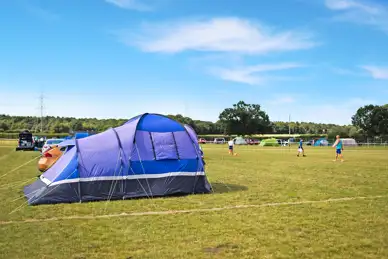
<point>239,141</point>
<point>349,142</point>
<point>321,142</point>
<point>269,142</point>
<point>150,155</point>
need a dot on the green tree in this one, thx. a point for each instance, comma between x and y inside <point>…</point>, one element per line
<point>245,119</point>
<point>354,132</point>
<point>76,125</point>
<point>280,127</point>
<point>64,124</point>
<point>380,121</point>
<point>338,130</point>
<point>372,119</point>
<point>184,120</point>
<point>4,126</point>
<point>60,128</point>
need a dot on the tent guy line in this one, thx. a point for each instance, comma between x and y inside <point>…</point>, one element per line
<point>172,212</point>
<point>15,169</point>
<point>5,156</point>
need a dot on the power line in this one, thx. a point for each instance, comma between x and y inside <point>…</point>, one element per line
<point>289,124</point>
<point>41,111</point>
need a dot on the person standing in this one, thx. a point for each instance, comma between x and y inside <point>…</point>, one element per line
<point>339,148</point>
<point>231,145</point>
<point>300,148</point>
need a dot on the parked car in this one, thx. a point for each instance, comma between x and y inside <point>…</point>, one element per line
<point>219,141</point>
<point>25,142</point>
<point>202,141</point>
<point>50,143</point>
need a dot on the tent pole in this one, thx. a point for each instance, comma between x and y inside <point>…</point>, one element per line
<point>79,176</point>
<point>121,158</point>
<point>198,157</point>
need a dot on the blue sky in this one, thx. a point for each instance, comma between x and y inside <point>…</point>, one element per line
<point>318,60</point>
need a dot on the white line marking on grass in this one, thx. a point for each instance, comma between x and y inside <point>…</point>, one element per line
<point>172,212</point>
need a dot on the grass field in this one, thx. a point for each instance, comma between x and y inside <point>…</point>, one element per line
<point>8,142</point>
<point>354,228</point>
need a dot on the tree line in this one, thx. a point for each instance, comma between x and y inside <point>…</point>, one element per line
<point>370,121</point>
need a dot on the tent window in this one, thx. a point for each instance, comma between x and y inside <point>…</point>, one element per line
<point>164,145</point>
<point>153,147</point>
<point>176,146</point>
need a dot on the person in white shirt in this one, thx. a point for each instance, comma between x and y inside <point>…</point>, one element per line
<point>231,145</point>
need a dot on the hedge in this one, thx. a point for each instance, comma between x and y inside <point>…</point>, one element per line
<point>48,135</point>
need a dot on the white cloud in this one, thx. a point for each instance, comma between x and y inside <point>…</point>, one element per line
<point>130,4</point>
<point>252,75</point>
<point>346,72</point>
<point>361,12</point>
<point>377,72</point>
<point>350,4</point>
<point>228,34</point>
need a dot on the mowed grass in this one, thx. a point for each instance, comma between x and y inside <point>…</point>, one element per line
<point>8,142</point>
<point>258,175</point>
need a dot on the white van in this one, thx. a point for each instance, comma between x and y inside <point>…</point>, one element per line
<point>219,141</point>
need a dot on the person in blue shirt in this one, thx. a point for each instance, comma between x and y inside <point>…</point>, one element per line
<point>300,148</point>
<point>339,147</point>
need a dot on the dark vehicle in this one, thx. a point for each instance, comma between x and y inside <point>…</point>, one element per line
<point>26,141</point>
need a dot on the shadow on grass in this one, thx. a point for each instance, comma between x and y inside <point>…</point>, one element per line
<point>227,187</point>
<point>218,187</point>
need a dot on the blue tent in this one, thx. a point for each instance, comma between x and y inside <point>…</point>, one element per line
<point>321,142</point>
<point>79,135</point>
<point>150,155</point>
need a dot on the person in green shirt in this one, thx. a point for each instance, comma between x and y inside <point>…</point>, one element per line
<point>338,145</point>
